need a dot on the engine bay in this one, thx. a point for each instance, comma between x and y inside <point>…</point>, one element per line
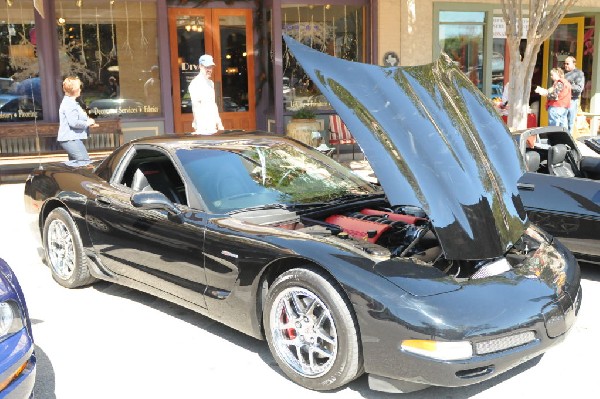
<point>390,232</point>
<point>405,232</point>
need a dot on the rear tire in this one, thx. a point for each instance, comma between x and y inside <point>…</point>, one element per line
<point>64,251</point>
<point>311,330</point>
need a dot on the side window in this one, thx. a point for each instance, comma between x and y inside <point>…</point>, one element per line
<point>152,170</point>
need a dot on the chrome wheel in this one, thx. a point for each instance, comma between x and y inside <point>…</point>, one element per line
<point>303,332</point>
<point>61,251</point>
<point>64,250</point>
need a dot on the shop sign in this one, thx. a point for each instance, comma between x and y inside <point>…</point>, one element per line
<point>500,28</point>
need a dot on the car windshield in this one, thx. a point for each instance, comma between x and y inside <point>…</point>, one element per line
<point>265,175</point>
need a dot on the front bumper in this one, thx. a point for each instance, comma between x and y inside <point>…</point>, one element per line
<point>18,351</point>
<point>407,372</point>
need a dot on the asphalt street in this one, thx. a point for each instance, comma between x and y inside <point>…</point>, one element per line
<point>106,341</point>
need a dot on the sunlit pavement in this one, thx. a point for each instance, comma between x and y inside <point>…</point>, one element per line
<point>108,341</point>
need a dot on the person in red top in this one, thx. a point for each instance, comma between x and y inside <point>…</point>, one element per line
<point>559,98</point>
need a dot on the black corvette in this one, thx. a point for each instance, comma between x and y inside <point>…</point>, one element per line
<point>561,189</point>
<point>435,278</point>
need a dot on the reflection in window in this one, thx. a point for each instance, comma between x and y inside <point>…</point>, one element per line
<point>20,89</point>
<point>335,30</point>
<point>461,37</point>
<point>112,48</point>
<point>497,65</point>
<point>234,64</point>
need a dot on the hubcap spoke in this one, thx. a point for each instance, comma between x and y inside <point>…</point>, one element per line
<point>296,303</point>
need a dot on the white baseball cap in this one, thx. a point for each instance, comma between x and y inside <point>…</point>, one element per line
<point>206,60</point>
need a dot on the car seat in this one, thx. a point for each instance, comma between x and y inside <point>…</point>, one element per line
<point>557,162</point>
<point>532,161</point>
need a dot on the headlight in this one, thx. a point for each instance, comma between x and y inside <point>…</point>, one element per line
<point>439,350</point>
<point>10,319</point>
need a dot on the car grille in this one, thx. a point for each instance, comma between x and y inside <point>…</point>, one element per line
<point>500,344</point>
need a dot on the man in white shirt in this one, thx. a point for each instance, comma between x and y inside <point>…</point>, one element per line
<point>202,94</point>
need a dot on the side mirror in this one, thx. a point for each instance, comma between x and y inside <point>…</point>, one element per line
<point>155,200</point>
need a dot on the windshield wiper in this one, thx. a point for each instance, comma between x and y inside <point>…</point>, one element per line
<point>259,208</point>
<point>337,200</point>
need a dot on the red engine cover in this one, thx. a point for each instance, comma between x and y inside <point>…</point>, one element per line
<point>359,229</point>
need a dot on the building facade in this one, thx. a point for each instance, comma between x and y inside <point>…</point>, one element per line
<point>136,58</point>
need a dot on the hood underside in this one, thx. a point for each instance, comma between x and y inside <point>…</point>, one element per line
<point>434,141</point>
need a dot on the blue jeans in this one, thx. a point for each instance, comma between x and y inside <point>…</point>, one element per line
<point>557,116</point>
<point>572,113</point>
<point>77,152</point>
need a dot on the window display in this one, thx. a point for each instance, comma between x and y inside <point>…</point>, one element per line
<point>335,30</point>
<point>112,47</point>
<point>20,89</point>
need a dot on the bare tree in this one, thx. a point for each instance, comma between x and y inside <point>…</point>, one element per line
<point>543,20</point>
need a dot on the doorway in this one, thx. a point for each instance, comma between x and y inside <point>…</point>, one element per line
<point>567,40</point>
<point>226,34</point>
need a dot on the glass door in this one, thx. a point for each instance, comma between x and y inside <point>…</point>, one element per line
<point>226,34</point>
<point>567,40</point>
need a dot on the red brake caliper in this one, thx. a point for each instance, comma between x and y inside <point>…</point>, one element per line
<point>291,332</point>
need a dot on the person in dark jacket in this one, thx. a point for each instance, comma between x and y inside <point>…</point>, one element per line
<point>577,80</point>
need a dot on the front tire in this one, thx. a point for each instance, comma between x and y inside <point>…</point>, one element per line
<point>64,250</point>
<point>311,330</point>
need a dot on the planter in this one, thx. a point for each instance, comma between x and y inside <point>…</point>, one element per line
<point>302,129</point>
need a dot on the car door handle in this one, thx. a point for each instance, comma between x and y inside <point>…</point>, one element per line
<point>526,186</point>
<point>103,201</point>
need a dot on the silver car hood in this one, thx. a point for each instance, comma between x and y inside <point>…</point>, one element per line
<point>434,141</point>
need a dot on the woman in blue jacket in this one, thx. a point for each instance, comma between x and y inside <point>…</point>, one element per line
<point>74,123</point>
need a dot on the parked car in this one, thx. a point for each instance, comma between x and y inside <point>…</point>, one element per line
<point>17,353</point>
<point>14,108</point>
<point>561,189</point>
<point>436,277</point>
<point>6,84</point>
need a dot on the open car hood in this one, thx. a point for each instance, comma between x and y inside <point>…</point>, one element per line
<point>434,141</point>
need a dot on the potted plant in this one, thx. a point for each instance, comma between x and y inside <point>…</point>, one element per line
<point>303,124</point>
<point>304,113</point>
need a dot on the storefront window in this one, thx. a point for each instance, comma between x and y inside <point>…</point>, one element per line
<point>20,89</point>
<point>112,47</point>
<point>461,37</point>
<point>335,30</point>
<point>497,64</point>
<point>234,63</point>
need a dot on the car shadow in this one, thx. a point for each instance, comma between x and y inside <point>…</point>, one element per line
<point>261,349</point>
<point>45,379</point>
<point>590,271</point>
<point>361,385</point>
<point>189,316</point>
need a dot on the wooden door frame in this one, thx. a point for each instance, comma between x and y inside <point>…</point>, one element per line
<point>248,15</point>
<point>173,13</point>
<point>580,21</point>
<point>212,46</point>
